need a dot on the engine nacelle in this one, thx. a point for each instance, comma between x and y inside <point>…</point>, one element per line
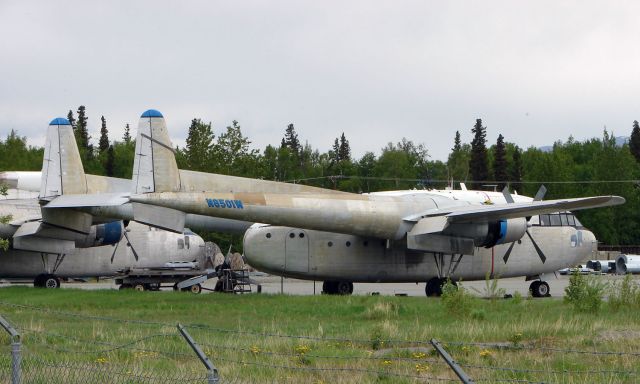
<point>491,233</point>
<point>102,234</point>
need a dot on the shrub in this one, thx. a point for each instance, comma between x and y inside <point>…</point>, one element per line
<point>456,300</point>
<point>584,294</point>
<point>624,294</point>
<point>517,297</point>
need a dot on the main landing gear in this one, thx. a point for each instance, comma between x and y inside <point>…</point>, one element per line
<point>337,287</point>
<point>46,281</point>
<point>539,288</point>
<point>434,286</point>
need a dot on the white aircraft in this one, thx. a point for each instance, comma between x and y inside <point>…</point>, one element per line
<point>341,238</point>
<point>106,251</point>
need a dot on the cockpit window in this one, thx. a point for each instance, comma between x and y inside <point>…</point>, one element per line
<point>563,219</point>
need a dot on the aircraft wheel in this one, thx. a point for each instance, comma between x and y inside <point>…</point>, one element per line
<point>139,287</point>
<point>344,287</point>
<point>539,289</point>
<point>51,281</point>
<point>175,286</point>
<point>39,281</point>
<point>329,287</point>
<point>434,287</point>
<point>195,288</point>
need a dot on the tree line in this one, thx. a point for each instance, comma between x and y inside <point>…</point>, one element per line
<point>570,169</point>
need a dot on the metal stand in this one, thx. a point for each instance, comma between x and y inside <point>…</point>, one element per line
<point>212,372</point>
<point>16,357</point>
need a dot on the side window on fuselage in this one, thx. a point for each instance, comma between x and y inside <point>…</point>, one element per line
<point>557,220</point>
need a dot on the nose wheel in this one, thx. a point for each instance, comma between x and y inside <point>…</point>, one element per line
<point>539,289</point>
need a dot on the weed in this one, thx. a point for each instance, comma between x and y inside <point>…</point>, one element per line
<point>584,294</point>
<point>381,310</point>
<point>624,294</point>
<point>515,339</point>
<point>491,289</point>
<point>376,339</point>
<point>478,314</point>
<point>456,300</point>
<point>517,297</point>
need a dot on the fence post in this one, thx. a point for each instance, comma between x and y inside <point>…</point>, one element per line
<point>16,357</point>
<point>212,372</point>
<point>452,363</point>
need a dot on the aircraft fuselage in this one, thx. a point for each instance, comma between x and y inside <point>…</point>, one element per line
<point>316,255</point>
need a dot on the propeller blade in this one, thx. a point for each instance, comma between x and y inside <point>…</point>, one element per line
<point>540,194</point>
<point>507,195</point>
<point>506,255</point>
<point>543,258</point>
<point>114,251</point>
<point>135,254</point>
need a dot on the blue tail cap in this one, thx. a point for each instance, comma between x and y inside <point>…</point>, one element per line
<point>152,113</point>
<point>59,121</point>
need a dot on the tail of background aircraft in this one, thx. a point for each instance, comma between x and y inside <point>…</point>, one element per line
<point>155,170</point>
<point>62,171</point>
<point>154,166</point>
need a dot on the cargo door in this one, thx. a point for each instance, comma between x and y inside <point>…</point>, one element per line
<point>296,251</point>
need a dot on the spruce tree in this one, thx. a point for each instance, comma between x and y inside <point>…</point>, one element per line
<point>82,136</point>
<point>291,141</point>
<point>478,162</point>
<point>103,144</point>
<point>344,150</point>
<point>71,119</point>
<point>457,145</point>
<point>127,134</point>
<point>335,150</point>
<point>500,163</point>
<point>199,146</point>
<point>111,160</point>
<point>458,161</point>
<point>634,141</point>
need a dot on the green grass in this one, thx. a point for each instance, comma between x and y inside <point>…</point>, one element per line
<point>370,338</point>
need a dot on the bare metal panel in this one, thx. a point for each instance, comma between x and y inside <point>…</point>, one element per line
<point>165,218</point>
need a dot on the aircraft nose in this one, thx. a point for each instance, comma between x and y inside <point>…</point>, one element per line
<point>588,238</point>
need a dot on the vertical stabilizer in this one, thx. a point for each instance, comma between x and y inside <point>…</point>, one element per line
<point>62,171</point>
<point>154,166</point>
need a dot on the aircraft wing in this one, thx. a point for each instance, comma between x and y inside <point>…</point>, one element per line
<point>511,211</point>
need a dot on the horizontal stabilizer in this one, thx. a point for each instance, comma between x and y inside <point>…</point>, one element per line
<point>160,217</point>
<point>97,200</point>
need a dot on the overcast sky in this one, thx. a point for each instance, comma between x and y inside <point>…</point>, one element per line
<point>535,71</point>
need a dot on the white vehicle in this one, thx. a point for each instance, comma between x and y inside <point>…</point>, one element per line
<point>577,269</point>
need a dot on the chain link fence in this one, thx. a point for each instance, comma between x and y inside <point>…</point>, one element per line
<point>67,347</point>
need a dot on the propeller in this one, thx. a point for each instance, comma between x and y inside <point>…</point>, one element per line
<point>538,197</point>
<point>135,254</point>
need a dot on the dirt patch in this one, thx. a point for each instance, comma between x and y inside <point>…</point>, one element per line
<point>617,334</point>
